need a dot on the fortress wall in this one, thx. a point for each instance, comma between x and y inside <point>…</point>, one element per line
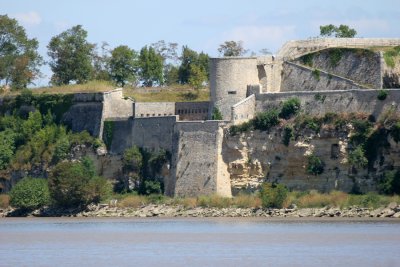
<point>197,165</point>
<point>229,78</point>
<point>153,109</point>
<point>192,111</point>
<point>85,116</point>
<point>244,110</point>
<point>361,66</point>
<point>115,106</point>
<point>296,77</point>
<point>88,97</point>
<point>321,102</point>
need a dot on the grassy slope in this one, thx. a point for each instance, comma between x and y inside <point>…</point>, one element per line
<point>178,93</point>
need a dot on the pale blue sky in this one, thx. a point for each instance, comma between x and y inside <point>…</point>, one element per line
<point>202,25</point>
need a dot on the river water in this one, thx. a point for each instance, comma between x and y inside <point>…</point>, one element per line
<point>198,242</point>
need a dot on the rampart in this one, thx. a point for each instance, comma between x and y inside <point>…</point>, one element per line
<point>197,167</point>
<point>338,101</point>
<point>244,110</point>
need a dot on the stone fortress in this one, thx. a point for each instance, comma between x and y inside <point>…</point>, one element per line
<point>207,160</point>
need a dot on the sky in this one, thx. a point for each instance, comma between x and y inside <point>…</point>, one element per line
<point>201,25</point>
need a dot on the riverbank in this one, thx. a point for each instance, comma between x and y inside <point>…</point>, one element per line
<point>154,210</point>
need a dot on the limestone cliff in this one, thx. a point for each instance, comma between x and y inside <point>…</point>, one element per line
<point>255,157</point>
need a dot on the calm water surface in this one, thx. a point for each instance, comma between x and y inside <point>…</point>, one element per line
<point>198,242</point>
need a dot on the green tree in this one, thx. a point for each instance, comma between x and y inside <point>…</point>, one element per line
<point>73,184</point>
<point>194,67</point>
<point>151,67</point>
<point>273,195</point>
<point>232,49</point>
<point>7,148</point>
<point>101,62</point>
<point>19,59</point>
<point>290,107</point>
<point>343,31</point>
<point>315,165</point>
<point>30,193</point>
<point>71,56</point>
<point>123,65</point>
<point>216,114</point>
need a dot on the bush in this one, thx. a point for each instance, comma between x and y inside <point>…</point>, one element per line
<point>395,132</point>
<point>390,184</point>
<point>132,159</point>
<point>74,184</point>
<point>357,157</point>
<point>382,94</point>
<point>30,193</point>
<point>315,165</point>
<point>244,127</point>
<point>216,114</point>
<point>152,187</point>
<point>265,120</point>
<point>273,195</point>
<point>287,135</point>
<point>290,107</point>
<point>7,147</point>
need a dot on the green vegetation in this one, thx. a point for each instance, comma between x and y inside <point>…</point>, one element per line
<point>216,114</point>
<point>343,31</point>
<point>108,133</point>
<point>151,67</point>
<point>320,97</point>
<point>382,94</point>
<point>390,184</point>
<point>308,59</point>
<point>172,94</point>
<point>273,195</point>
<point>19,59</point>
<point>287,135</point>
<point>194,68</point>
<point>70,55</point>
<point>315,165</point>
<point>357,157</point>
<point>123,65</point>
<point>316,74</point>
<point>290,108</point>
<point>232,49</point>
<point>30,193</point>
<point>390,56</point>
<point>395,132</point>
<point>74,184</point>
<point>265,120</point>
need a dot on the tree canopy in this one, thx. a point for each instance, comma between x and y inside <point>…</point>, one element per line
<point>343,31</point>
<point>151,67</point>
<point>71,56</point>
<point>19,59</point>
<point>123,65</point>
<point>232,49</point>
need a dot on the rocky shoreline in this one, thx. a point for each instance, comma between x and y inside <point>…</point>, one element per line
<point>153,210</point>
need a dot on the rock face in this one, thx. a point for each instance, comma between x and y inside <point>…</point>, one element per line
<point>391,75</point>
<point>256,157</point>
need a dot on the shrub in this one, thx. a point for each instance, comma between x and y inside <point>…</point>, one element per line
<point>290,107</point>
<point>382,94</point>
<point>73,184</point>
<point>132,159</point>
<point>216,114</point>
<point>30,193</point>
<point>395,132</point>
<point>152,187</point>
<point>108,133</point>
<point>308,59</point>
<point>315,165</point>
<point>357,157</point>
<point>273,195</point>
<point>244,127</point>
<point>133,201</point>
<point>265,120</point>
<point>316,74</point>
<point>7,147</point>
<point>287,135</point>
<point>213,201</point>
<point>390,184</point>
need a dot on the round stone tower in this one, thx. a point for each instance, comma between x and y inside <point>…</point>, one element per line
<point>229,78</point>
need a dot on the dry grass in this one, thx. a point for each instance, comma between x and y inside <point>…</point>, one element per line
<point>246,201</point>
<point>4,201</point>
<point>167,95</point>
<point>133,201</point>
<point>90,87</point>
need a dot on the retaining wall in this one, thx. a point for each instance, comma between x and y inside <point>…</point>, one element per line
<point>244,110</point>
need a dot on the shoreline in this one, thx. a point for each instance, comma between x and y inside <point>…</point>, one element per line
<point>392,211</point>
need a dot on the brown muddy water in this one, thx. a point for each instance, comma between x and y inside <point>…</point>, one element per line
<point>198,242</point>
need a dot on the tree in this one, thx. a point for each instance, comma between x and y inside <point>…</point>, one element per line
<point>19,59</point>
<point>343,31</point>
<point>30,193</point>
<point>123,65</point>
<point>101,62</point>
<point>71,56</point>
<point>73,184</point>
<point>7,147</point>
<point>273,195</point>
<point>194,67</point>
<point>151,67</point>
<point>232,49</point>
